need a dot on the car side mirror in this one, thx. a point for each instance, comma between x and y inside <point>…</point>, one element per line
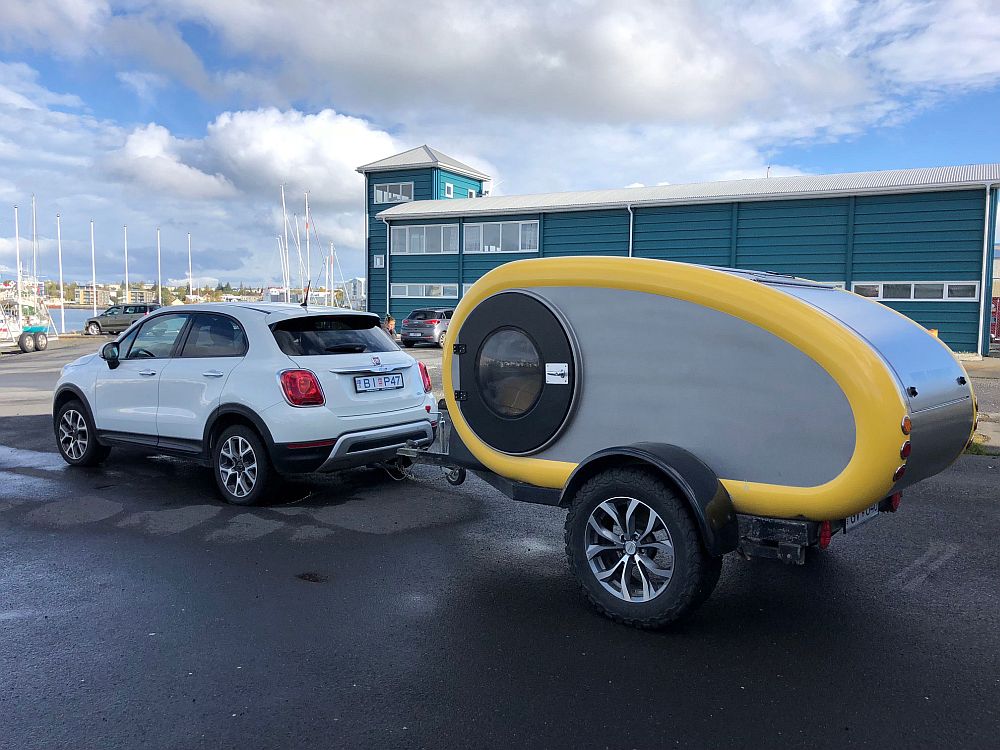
<point>109,353</point>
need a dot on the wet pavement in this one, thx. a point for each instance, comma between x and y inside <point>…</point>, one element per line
<point>137,610</point>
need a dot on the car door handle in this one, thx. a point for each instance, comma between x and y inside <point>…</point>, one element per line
<point>147,373</point>
<point>213,373</point>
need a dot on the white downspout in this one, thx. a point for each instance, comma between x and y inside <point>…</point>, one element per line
<point>388,254</point>
<point>984,302</point>
<point>631,217</point>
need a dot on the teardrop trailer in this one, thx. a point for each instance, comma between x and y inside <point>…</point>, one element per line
<point>680,413</point>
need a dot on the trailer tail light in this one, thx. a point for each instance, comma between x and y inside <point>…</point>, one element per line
<point>904,452</point>
<point>825,532</point>
<point>894,501</point>
<point>426,377</point>
<point>301,388</point>
<point>898,474</point>
<point>907,425</point>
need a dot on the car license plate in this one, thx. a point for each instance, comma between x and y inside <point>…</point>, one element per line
<point>368,383</point>
<point>852,522</point>
<point>413,335</point>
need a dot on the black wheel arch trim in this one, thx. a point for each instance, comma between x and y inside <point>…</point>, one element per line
<point>705,495</point>
<point>243,411</point>
<point>78,394</point>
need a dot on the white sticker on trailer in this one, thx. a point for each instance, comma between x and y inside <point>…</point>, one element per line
<point>556,373</point>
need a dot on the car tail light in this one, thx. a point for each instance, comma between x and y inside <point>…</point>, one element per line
<point>406,321</point>
<point>825,532</point>
<point>898,474</point>
<point>301,388</point>
<point>425,376</point>
<point>894,501</point>
<point>904,452</point>
<point>433,322</point>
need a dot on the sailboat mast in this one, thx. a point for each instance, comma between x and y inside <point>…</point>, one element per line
<point>308,254</point>
<point>284,221</point>
<point>93,268</point>
<point>159,283</point>
<point>127,300</point>
<point>17,251</point>
<point>34,241</point>
<point>190,276</point>
<point>62,295</point>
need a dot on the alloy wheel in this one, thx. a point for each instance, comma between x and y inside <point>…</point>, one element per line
<point>629,549</point>
<point>238,466</point>
<point>74,437</point>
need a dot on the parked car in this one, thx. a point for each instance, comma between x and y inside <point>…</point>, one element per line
<point>427,325</point>
<point>252,390</point>
<point>116,318</point>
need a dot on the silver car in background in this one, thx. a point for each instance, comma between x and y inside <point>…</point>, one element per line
<point>426,325</point>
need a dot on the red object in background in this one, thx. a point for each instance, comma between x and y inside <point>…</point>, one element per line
<point>995,319</point>
<point>825,533</point>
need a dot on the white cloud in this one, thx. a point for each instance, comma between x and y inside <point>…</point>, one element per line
<point>144,84</point>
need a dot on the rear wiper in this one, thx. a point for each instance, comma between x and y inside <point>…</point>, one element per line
<point>347,348</point>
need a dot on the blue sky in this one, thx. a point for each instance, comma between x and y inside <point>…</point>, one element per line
<point>189,115</point>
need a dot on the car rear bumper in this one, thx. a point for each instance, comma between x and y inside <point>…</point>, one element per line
<point>350,449</point>
<point>427,334</point>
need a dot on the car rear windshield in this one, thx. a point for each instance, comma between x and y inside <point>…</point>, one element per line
<point>315,335</point>
<point>425,314</point>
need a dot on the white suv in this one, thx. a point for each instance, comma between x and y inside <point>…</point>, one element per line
<point>254,390</point>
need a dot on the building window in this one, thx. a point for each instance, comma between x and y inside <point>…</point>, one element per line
<point>422,291</point>
<point>924,291</point>
<point>502,237</point>
<point>378,261</point>
<point>449,190</point>
<point>466,287</point>
<point>430,239</point>
<point>472,193</point>
<point>393,192</point>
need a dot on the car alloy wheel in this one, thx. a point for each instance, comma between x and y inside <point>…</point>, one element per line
<point>629,549</point>
<point>73,434</point>
<point>238,466</point>
<point>93,329</point>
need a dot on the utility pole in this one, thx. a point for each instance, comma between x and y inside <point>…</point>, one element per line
<point>93,269</point>
<point>17,251</point>
<point>190,277</point>
<point>159,283</point>
<point>62,295</point>
<point>125,227</point>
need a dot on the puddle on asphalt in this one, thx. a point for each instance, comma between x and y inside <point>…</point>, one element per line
<point>11,458</point>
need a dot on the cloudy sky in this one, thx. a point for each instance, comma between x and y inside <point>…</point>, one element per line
<point>189,114</point>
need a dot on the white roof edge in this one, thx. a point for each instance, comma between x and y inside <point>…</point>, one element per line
<point>857,183</point>
<point>465,171</point>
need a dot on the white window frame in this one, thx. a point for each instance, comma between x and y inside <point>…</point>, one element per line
<point>946,284</point>
<point>466,286</point>
<point>405,250</point>
<point>449,290</point>
<point>472,193</point>
<point>385,190</point>
<point>449,190</point>
<point>482,236</point>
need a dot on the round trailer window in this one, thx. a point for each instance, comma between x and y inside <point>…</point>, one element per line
<point>509,372</point>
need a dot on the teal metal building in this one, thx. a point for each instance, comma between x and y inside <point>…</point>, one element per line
<point>918,240</point>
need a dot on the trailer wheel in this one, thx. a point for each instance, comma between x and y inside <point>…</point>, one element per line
<point>635,549</point>
<point>41,342</point>
<point>26,342</point>
<point>455,475</point>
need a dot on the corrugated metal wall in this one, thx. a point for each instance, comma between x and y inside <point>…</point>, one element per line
<point>934,236</point>
<point>462,185</point>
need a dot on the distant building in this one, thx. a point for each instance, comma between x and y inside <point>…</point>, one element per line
<point>85,296</point>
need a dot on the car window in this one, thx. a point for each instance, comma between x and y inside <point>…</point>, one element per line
<point>133,309</point>
<point>423,315</point>
<point>112,311</point>
<point>157,336</point>
<point>125,341</point>
<point>215,336</point>
<point>331,334</point>
<point>448,314</point>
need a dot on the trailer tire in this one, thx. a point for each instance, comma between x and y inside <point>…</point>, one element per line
<point>26,343</point>
<point>41,342</point>
<point>650,600</point>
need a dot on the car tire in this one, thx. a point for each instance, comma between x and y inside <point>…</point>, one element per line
<point>76,436</point>
<point>26,343</point>
<point>655,595</point>
<point>93,329</point>
<point>41,342</point>
<point>441,339</point>
<point>242,467</point>
<point>408,344</point>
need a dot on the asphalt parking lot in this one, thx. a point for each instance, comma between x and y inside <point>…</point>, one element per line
<point>137,610</point>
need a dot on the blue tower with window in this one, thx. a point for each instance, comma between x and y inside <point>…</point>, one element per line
<point>399,260</point>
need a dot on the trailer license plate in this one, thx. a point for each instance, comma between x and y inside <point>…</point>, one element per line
<point>368,383</point>
<point>852,522</point>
